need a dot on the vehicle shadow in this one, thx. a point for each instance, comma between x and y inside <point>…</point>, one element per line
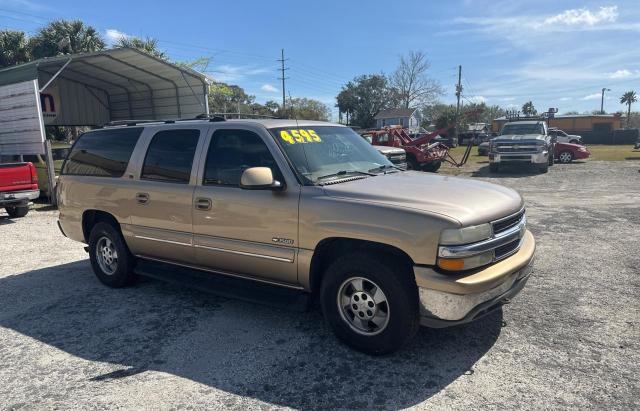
<point>5,219</point>
<point>273,355</point>
<point>507,171</point>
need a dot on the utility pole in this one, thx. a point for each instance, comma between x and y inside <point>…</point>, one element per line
<point>458,95</point>
<point>602,99</point>
<point>283,78</point>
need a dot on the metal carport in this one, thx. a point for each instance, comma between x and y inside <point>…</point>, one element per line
<point>92,89</point>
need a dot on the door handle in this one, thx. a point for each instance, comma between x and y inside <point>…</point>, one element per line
<point>203,203</point>
<point>142,198</point>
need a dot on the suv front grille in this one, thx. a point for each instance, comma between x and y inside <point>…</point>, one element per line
<point>506,249</point>
<point>508,222</point>
<point>516,148</point>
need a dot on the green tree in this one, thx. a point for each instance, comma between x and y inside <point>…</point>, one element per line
<point>302,108</point>
<point>65,37</point>
<point>528,109</point>
<point>369,94</point>
<point>347,100</point>
<point>13,48</point>
<point>148,45</point>
<point>628,98</point>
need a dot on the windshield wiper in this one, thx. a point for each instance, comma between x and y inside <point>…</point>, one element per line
<point>385,167</point>
<point>343,173</point>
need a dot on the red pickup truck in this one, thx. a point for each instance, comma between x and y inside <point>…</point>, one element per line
<point>18,186</point>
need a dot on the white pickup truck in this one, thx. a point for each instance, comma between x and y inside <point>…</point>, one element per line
<point>522,142</point>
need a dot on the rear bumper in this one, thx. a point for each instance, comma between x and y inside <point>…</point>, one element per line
<point>532,158</point>
<point>9,198</point>
<point>447,300</point>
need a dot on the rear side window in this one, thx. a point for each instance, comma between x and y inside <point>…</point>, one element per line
<point>170,156</point>
<point>103,153</point>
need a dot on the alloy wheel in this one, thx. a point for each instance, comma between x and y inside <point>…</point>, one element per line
<point>363,306</point>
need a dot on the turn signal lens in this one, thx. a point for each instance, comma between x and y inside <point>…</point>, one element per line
<point>467,263</point>
<point>451,264</point>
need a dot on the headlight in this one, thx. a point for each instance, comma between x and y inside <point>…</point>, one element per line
<point>466,235</point>
<point>466,263</point>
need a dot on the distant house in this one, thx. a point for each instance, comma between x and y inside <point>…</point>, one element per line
<point>480,128</point>
<point>406,117</point>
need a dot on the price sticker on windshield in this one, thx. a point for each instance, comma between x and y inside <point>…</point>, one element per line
<point>295,136</point>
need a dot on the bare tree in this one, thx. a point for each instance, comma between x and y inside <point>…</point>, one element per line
<point>410,83</point>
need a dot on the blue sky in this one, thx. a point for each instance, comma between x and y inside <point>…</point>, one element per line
<point>555,53</point>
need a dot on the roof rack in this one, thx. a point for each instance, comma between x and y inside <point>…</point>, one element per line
<point>250,115</point>
<point>131,123</point>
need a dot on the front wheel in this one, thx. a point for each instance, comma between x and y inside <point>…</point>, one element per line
<point>433,166</point>
<point>565,157</point>
<point>17,211</point>
<point>544,168</point>
<point>110,258</point>
<point>370,303</point>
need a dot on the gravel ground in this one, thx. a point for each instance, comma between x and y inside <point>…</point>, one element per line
<point>569,340</point>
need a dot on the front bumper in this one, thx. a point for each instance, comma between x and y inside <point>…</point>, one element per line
<point>9,198</point>
<point>532,158</point>
<point>447,300</point>
<point>581,155</point>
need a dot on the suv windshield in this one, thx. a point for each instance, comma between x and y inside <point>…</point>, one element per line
<point>522,129</point>
<point>325,153</point>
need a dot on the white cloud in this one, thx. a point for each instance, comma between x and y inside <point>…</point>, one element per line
<point>565,98</point>
<point>575,17</point>
<point>477,99</point>
<point>227,72</point>
<point>114,35</point>
<point>508,98</point>
<point>594,96</point>
<point>624,73</point>
<point>269,88</point>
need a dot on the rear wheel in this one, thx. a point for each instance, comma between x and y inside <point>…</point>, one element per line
<point>17,211</point>
<point>110,258</point>
<point>371,303</point>
<point>565,157</point>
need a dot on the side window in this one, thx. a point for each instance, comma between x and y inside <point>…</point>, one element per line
<point>170,156</point>
<point>104,153</point>
<point>233,151</point>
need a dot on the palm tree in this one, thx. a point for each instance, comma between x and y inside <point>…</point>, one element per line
<point>628,98</point>
<point>63,37</point>
<point>13,48</point>
<point>148,45</point>
<point>528,109</point>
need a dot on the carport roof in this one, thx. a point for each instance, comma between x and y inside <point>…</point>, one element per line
<point>125,68</point>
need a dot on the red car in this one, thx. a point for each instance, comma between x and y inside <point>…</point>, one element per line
<point>567,152</point>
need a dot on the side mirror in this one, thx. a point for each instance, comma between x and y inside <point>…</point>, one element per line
<point>259,178</point>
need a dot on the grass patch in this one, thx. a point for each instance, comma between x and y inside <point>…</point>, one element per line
<point>613,153</point>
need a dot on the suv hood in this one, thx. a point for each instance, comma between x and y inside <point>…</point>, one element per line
<point>464,200</point>
<point>521,137</point>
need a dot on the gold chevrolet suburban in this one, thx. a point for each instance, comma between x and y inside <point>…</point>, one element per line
<point>306,205</point>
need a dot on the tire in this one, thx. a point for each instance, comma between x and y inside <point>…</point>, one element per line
<point>433,166</point>
<point>17,211</point>
<point>565,157</point>
<point>494,167</point>
<point>544,168</point>
<point>396,296</point>
<point>110,258</point>
<point>412,164</point>
<point>574,142</point>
